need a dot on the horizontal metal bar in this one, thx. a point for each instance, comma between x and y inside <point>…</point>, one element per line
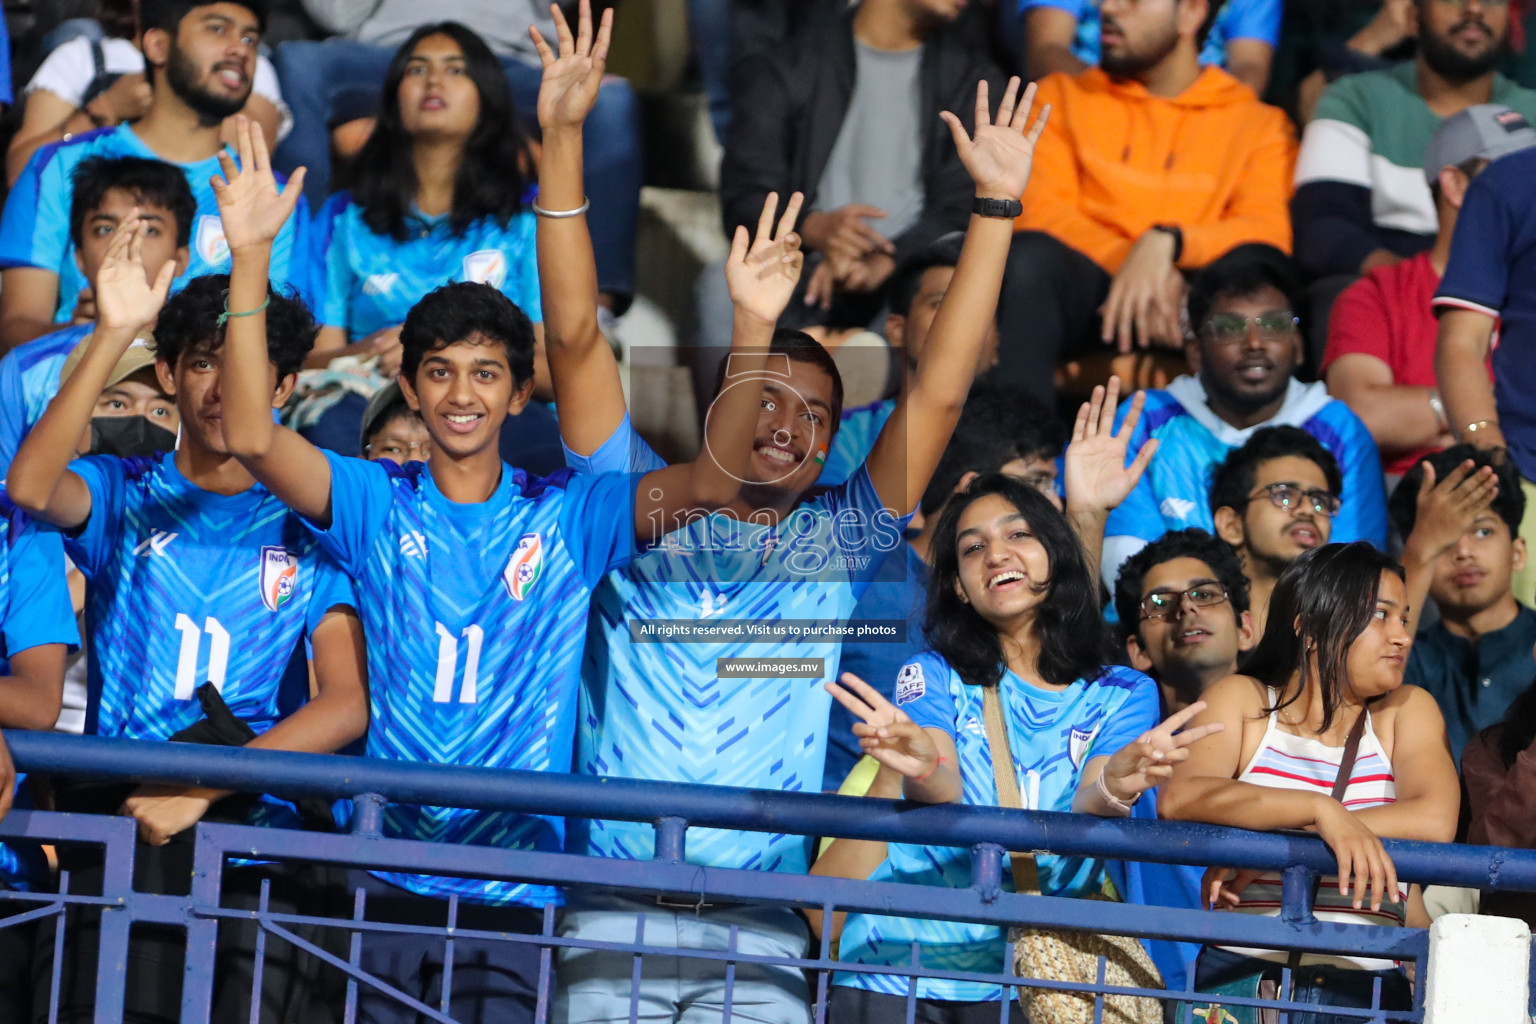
<point>809,814</point>
<point>922,901</point>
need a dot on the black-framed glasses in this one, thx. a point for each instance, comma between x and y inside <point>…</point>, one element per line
<point>1230,329</point>
<point>1290,496</point>
<point>1165,604</point>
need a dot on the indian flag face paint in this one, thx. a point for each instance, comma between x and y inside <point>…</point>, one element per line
<point>821,455</point>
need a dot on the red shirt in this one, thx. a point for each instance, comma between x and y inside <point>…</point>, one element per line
<point>1386,314</point>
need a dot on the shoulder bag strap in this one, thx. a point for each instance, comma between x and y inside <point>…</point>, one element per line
<point>1026,877</point>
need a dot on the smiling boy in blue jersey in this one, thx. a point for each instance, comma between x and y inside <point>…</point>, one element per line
<point>474,578</point>
<point>201,60</point>
<point>201,585</point>
<point>662,711</point>
<point>106,190</point>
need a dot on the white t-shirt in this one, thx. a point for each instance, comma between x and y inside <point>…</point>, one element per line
<point>67,73</point>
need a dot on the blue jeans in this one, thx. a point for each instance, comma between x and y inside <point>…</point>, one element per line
<point>313,74</point>
<point>1319,985</point>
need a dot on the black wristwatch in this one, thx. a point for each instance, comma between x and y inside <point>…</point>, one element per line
<point>1009,208</point>
<point>1178,238</point>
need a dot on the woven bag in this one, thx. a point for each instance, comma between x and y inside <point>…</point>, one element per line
<point>1060,955</point>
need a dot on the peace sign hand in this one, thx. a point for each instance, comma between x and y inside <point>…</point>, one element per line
<point>1000,156</point>
<point>1149,759</point>
<point>885,732</point>
<point>762,278</point>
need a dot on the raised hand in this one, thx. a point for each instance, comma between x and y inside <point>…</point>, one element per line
<point>1447,508</point>
<point>1097,478</point>
<point>568,90</point>
<point>762,276</point>
<point>251,207</point>
<point>885,732</point>
<point>999,157</point>
<point>126,299</point>
<point>1149,759</point>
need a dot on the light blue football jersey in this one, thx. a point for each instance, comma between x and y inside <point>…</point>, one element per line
<point>34,231</point>
<point>373,280</point>
<point>189,587</point>
<point>1175,491</point>
<point>1051,736</point>
<point>660,710</point>
<point>29,378</point>
<point>855,437</point>
<point>36,611</point>
<point>475,616</point>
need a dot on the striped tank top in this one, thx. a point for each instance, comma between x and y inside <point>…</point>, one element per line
<point>1285,761</point>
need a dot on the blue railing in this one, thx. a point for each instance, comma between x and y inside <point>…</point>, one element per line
<point>673,809</point>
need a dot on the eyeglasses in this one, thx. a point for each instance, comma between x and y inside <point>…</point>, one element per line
<point>1289,496</point>
<point>1165,604</point>
<point>1230,329</point>
<point>391,449</point>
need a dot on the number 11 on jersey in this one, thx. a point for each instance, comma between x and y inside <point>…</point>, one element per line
<point>448,663</point>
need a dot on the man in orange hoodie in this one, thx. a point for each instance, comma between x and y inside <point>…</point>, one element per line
<point>1151,166</point>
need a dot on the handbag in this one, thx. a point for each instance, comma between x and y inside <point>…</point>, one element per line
<point>1263,981</point>
<point>1062,955</point>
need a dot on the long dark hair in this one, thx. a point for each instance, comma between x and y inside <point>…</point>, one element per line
<point>1519,727</point>
<point>1322,602</point>
<point>492,176</point>
<point>1071,635</point>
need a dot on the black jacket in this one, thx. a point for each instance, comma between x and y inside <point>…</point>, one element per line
<point>789,106</point>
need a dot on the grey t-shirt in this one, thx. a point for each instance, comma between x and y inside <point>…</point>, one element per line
<point>878,156</point>
<point>503,24</point>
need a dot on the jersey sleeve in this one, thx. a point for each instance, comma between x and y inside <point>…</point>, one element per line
<point>34,229</point>
<point>332,587</point>
<point>361,495</point>
<point>91,546</point>
<point>13,411</point>
<point>863,529</point>
<point>1477,273</point>
<point>1133,715</point>
<point>598,521</point>
<point>922,691</point>
<point>625,451</point>
<point>1252,19</point>
<point>38,609</point>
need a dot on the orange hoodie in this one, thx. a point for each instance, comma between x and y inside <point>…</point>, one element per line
<point>1115,160</point>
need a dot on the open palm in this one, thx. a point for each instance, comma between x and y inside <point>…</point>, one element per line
<point>251,207</point>
<point>1001,153</point>
<point>572,77</point>
<point>762,277</point>
<point>1097,476</point>
<point>125,298</point>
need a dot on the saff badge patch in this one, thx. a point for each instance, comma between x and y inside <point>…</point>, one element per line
<point>910,683</point>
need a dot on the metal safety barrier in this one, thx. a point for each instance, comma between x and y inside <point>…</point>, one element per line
<point>673,809</point>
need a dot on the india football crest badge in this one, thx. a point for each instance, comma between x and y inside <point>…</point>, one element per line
<point>523,567</point>
<point>208,240</point>
<point>1078,744</point>
<point>486,266</point>
<point>279,577</point>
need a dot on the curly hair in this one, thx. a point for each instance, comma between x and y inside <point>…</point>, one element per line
<point>1233,478</point>
<point>459,311</point>
<point>190,323</point>
<point>1071,636</point>
<point>1191,542</point>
